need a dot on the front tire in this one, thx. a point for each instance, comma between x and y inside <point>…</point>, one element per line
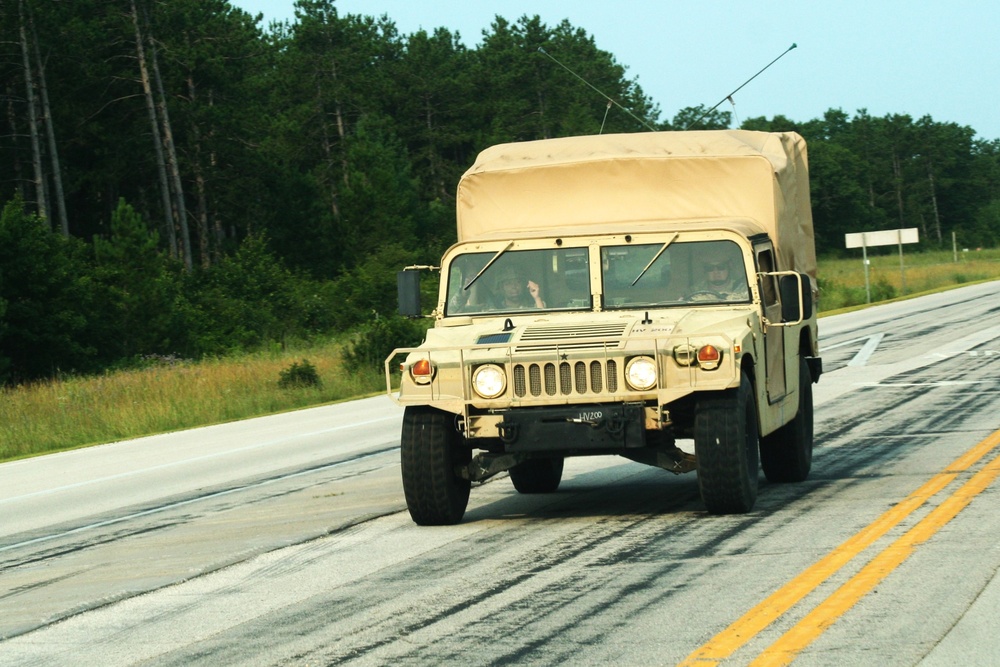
<point>725,437</point>
<point>786,454</point>
<point>537,475</point>
<point>430,451</point>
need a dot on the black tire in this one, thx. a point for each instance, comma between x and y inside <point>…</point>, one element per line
<point>431,450</point>
<point>537,475</point>
<point>786,454</point>
<point>725,441</point>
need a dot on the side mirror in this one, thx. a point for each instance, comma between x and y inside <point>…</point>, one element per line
<point>795,289</point>
<point>408,291</point>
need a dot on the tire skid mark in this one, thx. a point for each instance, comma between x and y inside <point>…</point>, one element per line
<point>58,551</point>
<point>400,592</point>
<point>434,608</point>
<point>223,503</point>
<point>24,563</point>
<point>569,582</point>
<point>14,592</point>
<point>957,313</point>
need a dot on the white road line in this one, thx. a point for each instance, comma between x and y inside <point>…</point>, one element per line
<point>866,351</point>
<point>186,461</point>
<point>845,379</point>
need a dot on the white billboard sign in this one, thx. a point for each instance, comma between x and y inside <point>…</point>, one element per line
<point>886,237</point>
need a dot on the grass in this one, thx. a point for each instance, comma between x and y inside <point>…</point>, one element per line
<point>842,281</point>
<point>167,396</point>
<point>78,411</point>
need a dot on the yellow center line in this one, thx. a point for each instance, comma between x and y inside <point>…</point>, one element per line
<point>784,650</point>
<point>778,603</point>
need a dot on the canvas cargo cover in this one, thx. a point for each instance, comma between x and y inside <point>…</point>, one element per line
<point>614,181</point>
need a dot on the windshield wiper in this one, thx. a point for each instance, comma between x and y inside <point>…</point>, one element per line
<point>490,263</point>
<point>655,257</point>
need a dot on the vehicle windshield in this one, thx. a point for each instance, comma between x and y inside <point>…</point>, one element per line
<point>683,273</point>
<point>547,279</point>
<point>633,275</point>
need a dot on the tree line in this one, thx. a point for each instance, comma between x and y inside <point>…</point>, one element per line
<point>181,180</point>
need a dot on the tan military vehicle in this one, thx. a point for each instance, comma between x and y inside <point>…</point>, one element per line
<point>613,295</point>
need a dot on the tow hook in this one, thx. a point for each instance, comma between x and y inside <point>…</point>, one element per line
<point>507,431</point>
<point>616,425</point>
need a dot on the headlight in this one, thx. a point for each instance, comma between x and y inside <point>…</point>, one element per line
<point>489,381</point>
<point>640,373</point>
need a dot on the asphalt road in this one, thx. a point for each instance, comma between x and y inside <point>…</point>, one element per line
<point>283,540</point>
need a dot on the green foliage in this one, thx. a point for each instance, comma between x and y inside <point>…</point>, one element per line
<point>701,118</point>
<point>431,107</point>
<point>834,295</point>
<point>983,230</point>
<point>139,287</point>
<point>244,302</point>
<point>4,361</point>
<point>883,290</point>
<point>524,94</point>
<point>376,339</point>
<point>299,374</point>
<point>318,157</point>
<point>369,289</point>
<point>379,198</point>
<point>44,323</point>
<point>838,200</point>
<point>778,123</point>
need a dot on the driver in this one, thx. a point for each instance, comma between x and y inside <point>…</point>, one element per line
<point>721,279</point>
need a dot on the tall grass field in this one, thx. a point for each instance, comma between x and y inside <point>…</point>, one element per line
<point>842,280</point>
<point>169,395</point>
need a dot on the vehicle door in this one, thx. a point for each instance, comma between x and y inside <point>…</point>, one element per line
<point>774,336</point>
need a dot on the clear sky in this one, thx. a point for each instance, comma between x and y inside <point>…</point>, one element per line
<point>916,57</point>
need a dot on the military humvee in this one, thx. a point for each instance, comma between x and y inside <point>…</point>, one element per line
<point>612,295</point>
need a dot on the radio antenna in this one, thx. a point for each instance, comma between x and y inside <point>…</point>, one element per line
<point>730,95</point>
<point>594,88</point>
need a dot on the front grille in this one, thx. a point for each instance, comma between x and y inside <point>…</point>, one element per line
<point>565,378</point>
<point>552,374</point>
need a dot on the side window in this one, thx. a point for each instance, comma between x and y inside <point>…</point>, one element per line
<point>768,284</point>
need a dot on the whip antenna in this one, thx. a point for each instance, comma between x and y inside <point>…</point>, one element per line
<point>610,101</point>
<point>730,95</point>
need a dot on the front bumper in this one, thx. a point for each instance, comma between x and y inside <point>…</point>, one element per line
<point>572,429</point>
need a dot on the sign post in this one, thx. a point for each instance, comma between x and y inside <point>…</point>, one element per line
<point>887,237</point>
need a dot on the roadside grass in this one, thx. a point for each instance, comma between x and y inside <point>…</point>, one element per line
<point>842,281</point>
<point>171,395</point>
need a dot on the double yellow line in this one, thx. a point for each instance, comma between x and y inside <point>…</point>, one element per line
<point>789,645</point>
